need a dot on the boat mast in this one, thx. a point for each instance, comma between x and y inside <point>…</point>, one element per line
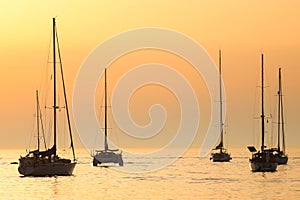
<point>37,119</point>
<point>262,105</point>
<point>279,109</point>
<point>105,117</point>
<point>65,97</point>
<point>54,88</point>
<point>282,114</point>
<point>221,104</point>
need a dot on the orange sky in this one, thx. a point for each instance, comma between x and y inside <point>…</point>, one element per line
<point>242,29</point>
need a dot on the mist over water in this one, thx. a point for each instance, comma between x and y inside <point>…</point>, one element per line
<point>187,178</point>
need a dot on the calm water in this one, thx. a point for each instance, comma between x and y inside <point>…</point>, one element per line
<point>188,178</point>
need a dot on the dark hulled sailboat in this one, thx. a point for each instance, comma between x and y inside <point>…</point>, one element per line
<point>263,160</point>
<point>107,155</point>
<point>48,163</point>
<point>280,154</point>
<point>220,154</point>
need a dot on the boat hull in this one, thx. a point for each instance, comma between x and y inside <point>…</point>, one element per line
<point>281,159</point>
<point>107,157</point>
<point>220,157</point>
<point>48,169</point>
<point>263,162</point>
<point>263,166</point>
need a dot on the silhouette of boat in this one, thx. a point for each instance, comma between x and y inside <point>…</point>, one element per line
<point>280,155</point>
<point>220,154</point>
<point>48,163</point>
<point>107,155</point>
<point>263,160</point>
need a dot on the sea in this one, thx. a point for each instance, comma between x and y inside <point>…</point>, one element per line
<point>188,177</point>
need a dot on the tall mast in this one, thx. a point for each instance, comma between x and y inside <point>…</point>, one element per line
<point>262,105</point>
<point>282,119</point>
<point>54,88</point>
<point>105,117</point>
<point>37,118</point>
<point>221,103</point>
<point>279,109</point>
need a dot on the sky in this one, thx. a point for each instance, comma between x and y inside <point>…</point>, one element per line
<point>241,29</point>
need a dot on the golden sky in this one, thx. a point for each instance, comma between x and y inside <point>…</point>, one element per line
<point>242,29</point>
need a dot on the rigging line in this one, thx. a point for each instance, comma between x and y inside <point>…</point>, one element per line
<point>227,130</point>
<point>42,125</point>
<point>31,136</point>
<point>282,126</point>
<point>37,119</point>
<point>109,115</point>
<point>272,138</point>
<point>268,109</point>
<point>46,92</point>
<point>44,81</point>
<point>45,68</point>
<point>94,145</point>
<point>100,111</point>
<point>275,122</point>
<point>256,133</point>
<point>49,131</point>
<point>110,122</point>
<point>63,128</point>
<point>100,115</point>
<point>65,96</point>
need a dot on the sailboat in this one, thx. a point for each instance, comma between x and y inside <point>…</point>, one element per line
<point>107,155</point>
<point>47,162</point>
<point>220,154</point>
<point>280,154</point>
<point>263,160</point>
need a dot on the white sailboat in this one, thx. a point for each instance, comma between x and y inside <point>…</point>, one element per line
<point>263,160</point>
<point>107,155</point>
<point>220,154</point>
<point>280,154</point>
<point>47,162</point>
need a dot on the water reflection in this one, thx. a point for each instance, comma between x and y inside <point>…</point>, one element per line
<point>187,178</point>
